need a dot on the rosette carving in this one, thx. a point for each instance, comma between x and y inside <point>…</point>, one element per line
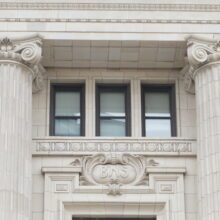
<point>114,170</point>
<point>28,52</point>
<point>199,52</point>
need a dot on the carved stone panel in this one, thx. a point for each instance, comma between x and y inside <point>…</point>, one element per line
<point>113,170</point>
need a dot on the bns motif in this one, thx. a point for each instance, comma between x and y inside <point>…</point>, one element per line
<point>114,170</point>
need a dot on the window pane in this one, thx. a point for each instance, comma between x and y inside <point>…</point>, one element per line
<point>112,127</point>
<point>157,104</point>
<point>157,128</point>
<point>67,104</point>
<point>67,127</point>
<point>112,104</point>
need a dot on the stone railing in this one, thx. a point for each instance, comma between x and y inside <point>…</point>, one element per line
<point>88,146</point>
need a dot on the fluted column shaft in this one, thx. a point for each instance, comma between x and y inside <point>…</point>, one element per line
<point>19,66</point>
<point>207,84</point>
<point>202,75</point>
<point>15,136</point>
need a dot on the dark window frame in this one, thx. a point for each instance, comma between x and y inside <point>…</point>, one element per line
<point>170,88</point>
<point>114,88</point>
<point>79,87</point>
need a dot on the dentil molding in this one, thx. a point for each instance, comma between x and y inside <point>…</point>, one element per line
<point>104,20</point>
<point>26,51</point>
<point>109,6</point>
<point>200,51</point>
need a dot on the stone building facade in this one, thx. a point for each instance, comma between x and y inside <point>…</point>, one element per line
<point>109,109</point>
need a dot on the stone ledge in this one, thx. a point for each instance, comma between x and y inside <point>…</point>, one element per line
<point>166,170</point>
<point>61,169</point>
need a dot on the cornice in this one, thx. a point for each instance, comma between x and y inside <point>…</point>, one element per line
<point>110,6</point>
<point>27,51</point>
<point>80,20</point>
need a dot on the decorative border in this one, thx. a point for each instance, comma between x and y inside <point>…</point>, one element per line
<point>80,20</point>
<point>159,197</point>
<point>110,6</point>
<point>93,146</point>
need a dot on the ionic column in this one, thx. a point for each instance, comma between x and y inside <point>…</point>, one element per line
<point>203,71</point>
<point>19,66</point>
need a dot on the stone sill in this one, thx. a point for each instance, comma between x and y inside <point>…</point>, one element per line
<point>61,169</point>
<point>88,146</point>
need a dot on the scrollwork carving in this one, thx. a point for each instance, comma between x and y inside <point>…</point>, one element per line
<point>188,80</point>
<point>30,52</point>
<point>113,170</point>
<point>38,78</point>
<point>76,162</point>
<point>152,162</point>
<point>199,52</point>
<point>27,52</point>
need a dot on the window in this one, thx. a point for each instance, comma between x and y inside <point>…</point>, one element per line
<point>67,110</point>
<point>158,111</point>
<point>112,110</point>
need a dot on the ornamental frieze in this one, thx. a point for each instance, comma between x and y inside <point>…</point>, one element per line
<point>85,146</point>
<point>64,5</point>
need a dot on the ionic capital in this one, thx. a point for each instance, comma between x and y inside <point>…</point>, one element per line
<point>200,52</point>
<point>27,51</point>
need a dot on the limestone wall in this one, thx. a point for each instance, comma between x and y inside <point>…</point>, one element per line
<point>59,163</point>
